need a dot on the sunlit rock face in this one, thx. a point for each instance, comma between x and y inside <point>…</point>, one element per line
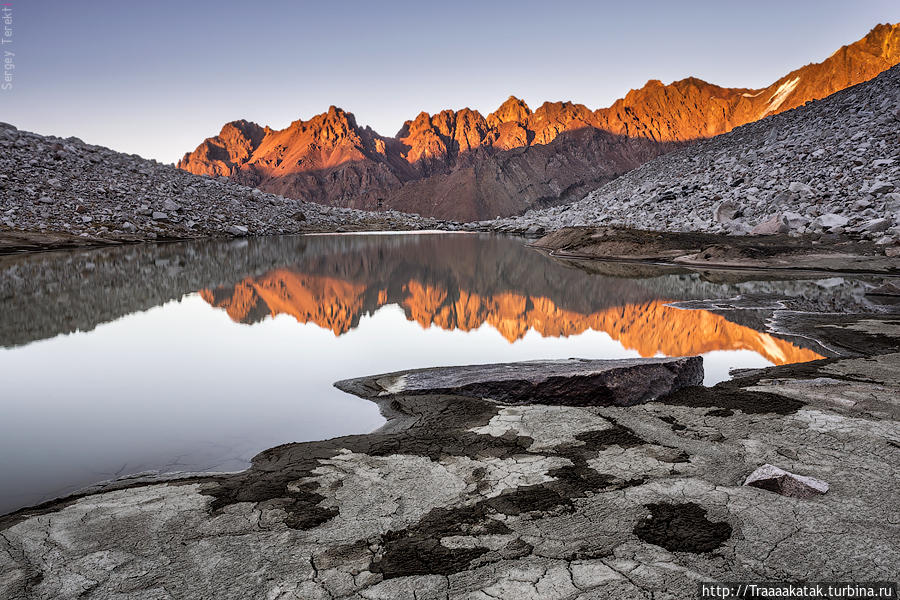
<point>651,328</point>
<point>460,164</point>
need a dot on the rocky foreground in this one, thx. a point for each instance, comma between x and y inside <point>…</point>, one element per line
<point>829,167</point>
<point>63,192</point>
<point>571,479</point>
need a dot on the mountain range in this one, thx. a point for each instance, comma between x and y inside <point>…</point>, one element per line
<point>462,165</point>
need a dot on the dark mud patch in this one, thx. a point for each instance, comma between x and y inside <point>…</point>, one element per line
<point>727,398</point>
<point>673,422</point>
<point>604,438</point>
<point>418,550</point>
<point>682,528</point>
<point>720,412</point>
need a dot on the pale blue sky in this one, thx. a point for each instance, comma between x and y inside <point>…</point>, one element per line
<point>156,78</point>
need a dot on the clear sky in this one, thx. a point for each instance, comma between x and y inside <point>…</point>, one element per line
<point>156,78</point>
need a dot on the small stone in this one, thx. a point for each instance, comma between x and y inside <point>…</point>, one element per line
<point>725,211</point>
<point>881,187</point>
<point>795,220</point>
<point>830,221</point>
<point>771,478</point>
<point>797,187</point>
<point>876,225</point>
<point>171,205</point>
<point>47,200</point>
<point>159,216</point>
<point>129,226</point>
<point>237,230</point>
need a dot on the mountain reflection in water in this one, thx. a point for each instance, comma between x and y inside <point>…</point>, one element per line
<point>649,327</point>
<point>113,363</point>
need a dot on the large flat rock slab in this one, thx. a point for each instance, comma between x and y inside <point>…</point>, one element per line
<point>570,382</point>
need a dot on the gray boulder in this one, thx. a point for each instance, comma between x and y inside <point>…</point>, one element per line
<point>881,187</point>
<point>830,221</point>
<point>725,211</point>
<point>876,225</point>
<point>777,224</point>
<point>237,230</point>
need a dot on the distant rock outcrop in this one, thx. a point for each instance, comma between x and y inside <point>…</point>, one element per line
<point>461,165</point>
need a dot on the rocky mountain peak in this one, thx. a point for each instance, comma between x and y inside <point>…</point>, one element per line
<point>459,164</point>
<point>512,110</point>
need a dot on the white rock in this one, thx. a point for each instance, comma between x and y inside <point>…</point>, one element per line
<point>830,221</point>
<point>769,477</point>
<point>796,220</point>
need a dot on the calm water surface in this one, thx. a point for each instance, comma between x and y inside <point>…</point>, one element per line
<point>194,357</point>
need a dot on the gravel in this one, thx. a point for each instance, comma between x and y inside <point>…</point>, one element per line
<point>49,184</point>
<point>831,166</point>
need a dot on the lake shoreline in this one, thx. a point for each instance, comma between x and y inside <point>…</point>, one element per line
<point>834,254</point>
<point>578,482</point>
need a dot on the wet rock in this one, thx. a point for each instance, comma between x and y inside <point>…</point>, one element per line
<point>572,382</point>
<point>771,478</point>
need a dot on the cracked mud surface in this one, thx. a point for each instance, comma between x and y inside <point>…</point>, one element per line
<point>462,497</point>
